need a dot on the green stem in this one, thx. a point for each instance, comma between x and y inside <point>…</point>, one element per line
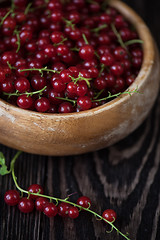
<point>25,93</point>
<point>40,70</point>
<point>85,39</point>
<point>68,100</point>
<point>18,41</point>
<point>27,8</point>
<point>59,199</point>
<point>133,42</point>
<point>96,30</point>
<point>7,14</point>
<point>116,95</point>
<point>118,36</point>
<point>69,23</point>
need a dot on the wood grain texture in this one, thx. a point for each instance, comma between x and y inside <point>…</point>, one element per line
<point>124,177</point>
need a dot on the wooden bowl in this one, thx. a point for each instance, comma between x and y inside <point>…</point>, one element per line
<point>76,133</point>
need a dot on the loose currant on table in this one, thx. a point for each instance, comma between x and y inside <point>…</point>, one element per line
<point>72,48</point>
<point>50,206</point>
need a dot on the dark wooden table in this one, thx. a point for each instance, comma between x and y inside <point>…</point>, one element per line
<point>125,177</point>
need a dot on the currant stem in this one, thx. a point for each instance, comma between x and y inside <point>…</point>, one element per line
<point>18,40</point>
<point>116,95</point>
<point>133,42</point>
<point>40,70</point>
<point>118,36</point>
<point>25,93</point>
<point>85,39</point>
<point>7,14</point>
<point>27,8</point>
<point>68,100</point>
<point>96,30</point>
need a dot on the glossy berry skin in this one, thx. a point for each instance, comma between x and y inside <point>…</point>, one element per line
<point>84,201</point>
<point>24,101</point>
<point>86,52</point>
<point>22,85</point>
<point>40,203</point>
<point>26,205</point>
<point>11,197</point>
<point>63,209</point>
<point>73,212</point>
<point>50,210</point>
<point>110,215</point>
<point>35,188</point>
<point>84,103</point>
<point>65,107</point>
<point>42,104</point>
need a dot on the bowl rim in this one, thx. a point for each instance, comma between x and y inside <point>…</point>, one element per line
<point>148,60</point>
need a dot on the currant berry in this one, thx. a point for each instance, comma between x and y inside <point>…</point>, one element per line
<point>84,103</point>
<point>42,104</point>
<point>26,205</point>
<point>40,203</point>
<point>73,212</point>
<point>65,107</point>
<point>35,188</point>
<point>84,201</point>
<point>110,215</point>
<point>50,210</point>
<point>25,101</point>
<point>86,52</point>
<point>63,209</point>
<point>11,197</point>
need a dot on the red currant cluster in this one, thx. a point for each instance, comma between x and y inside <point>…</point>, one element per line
<point>63,209</point>
<point>62,57</point>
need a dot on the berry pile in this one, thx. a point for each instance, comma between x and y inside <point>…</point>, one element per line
<point>65,56</point>
<point>42,204</point>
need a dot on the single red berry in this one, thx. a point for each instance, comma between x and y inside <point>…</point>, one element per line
<point>65,107</point>
<point>86,52</point>
<point>63,209</point>
<point>110,215</point>
<point>73,212</point>
<point>22,85</point>
<point>117,69</point>
<point>42,104</point>
<point>84,103</point>
<point>40,203</point>
<point>11,197</point>
<point>24,101</point>
<point>84,201</point>
<point>50,210</point>
<point>26,205</point>
<point>35,188</point>
<point>107,59</point>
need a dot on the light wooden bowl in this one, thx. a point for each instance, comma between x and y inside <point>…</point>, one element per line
<point>76,133</point>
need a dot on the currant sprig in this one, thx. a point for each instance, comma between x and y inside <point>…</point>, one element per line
<point>81,78</point>
<point>17,93</point>
<point>57,200</point>
<point>40,70</point>
<point>110,95</point>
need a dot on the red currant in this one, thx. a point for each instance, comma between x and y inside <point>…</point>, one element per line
<point>84,202</point>
<point>50,210</point>
<point>11,197</point>
<point>73,212</point>
<point>110,215</point>
<point>35,188</point>
<point>26,205</point>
